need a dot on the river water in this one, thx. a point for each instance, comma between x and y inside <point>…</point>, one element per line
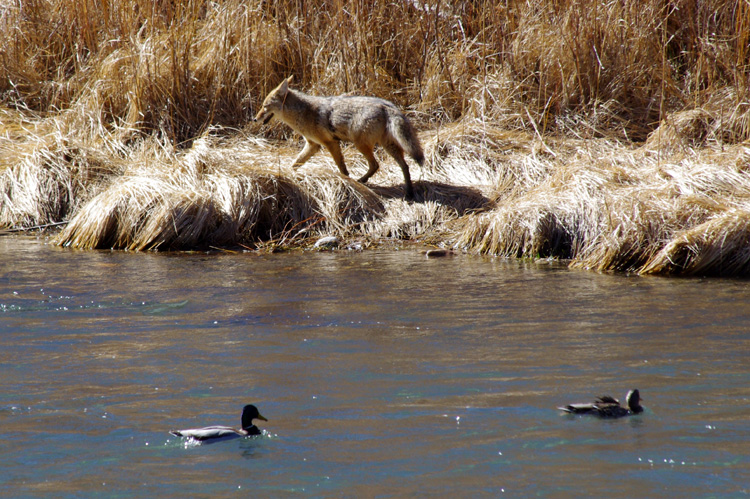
<point>381,373</point>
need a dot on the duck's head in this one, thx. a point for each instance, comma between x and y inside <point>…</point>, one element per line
<point>633,399</point>
<point>250,412</point>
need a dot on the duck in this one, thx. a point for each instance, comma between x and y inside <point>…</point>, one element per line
<point>608,407</point>
<point>216,433</point>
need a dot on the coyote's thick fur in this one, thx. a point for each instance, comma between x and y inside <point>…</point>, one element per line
<point>325,121</point>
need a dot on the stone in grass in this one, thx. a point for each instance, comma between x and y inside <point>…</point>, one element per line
<point>327,242</point>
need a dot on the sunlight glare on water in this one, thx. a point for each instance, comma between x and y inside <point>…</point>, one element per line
<point>381,373</point>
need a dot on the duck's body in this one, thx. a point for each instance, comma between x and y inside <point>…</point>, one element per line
<point>608,407</point>
<point>217,433</point>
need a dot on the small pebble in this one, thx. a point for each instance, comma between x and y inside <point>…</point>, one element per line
<point>436,253</point>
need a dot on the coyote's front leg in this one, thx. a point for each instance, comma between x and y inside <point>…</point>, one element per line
<point>306,153</point>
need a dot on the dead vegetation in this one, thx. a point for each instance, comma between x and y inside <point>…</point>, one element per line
<point>610,134</point>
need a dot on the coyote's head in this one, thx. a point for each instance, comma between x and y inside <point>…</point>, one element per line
<point>274,101</point>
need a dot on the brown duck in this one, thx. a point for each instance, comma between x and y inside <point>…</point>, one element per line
<point>608,407</point>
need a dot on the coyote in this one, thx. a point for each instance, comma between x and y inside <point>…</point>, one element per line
<point>325,121</point>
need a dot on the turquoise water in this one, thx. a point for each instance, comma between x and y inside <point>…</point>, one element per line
<point>381,374</point>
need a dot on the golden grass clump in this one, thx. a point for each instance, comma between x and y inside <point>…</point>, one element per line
<point>44,173</point>
<point>718,246</point>
<point>608,207</point>
<point>214,196</point>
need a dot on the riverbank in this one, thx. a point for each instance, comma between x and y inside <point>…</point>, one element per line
<point>654,208</point>
<point>565,130</point>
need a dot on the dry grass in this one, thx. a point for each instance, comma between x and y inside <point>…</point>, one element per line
<point>178,67</point>
<point>215,195</point>
<point>611,207</point>
<point>612,134</point>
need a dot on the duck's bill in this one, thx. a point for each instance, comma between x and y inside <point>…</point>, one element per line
<point>261,418</point>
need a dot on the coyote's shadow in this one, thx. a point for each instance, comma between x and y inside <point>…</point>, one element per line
<point>461,198</point>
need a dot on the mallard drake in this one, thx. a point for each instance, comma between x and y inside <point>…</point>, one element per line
<point>249,413</point>
<point>608,407</point>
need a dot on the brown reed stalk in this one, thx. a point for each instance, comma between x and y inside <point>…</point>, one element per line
<point>191,63</point>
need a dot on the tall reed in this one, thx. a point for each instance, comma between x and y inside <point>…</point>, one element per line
<point>586,67</point>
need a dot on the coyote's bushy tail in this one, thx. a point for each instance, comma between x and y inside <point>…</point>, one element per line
<point>406,137</point>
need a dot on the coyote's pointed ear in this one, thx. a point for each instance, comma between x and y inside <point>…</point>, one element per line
<point>289,80</point>
<point>284,87</point>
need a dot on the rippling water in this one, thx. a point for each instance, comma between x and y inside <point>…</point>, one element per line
<point>381,374</point>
